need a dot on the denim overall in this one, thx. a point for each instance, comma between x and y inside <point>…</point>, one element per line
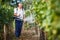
<point>18,27</point>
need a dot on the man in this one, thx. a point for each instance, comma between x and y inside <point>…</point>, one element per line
<point>19,18</point>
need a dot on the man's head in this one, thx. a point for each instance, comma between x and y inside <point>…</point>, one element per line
<point>20,5</point>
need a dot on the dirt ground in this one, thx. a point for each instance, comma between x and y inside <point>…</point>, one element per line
<point>29,34</point>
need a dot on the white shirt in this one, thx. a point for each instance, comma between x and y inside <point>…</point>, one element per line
<point>19,12</point>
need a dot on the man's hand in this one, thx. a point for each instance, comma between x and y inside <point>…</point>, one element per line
<point>16,14</point>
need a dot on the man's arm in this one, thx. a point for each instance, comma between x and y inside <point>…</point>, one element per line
<point>15,12</point>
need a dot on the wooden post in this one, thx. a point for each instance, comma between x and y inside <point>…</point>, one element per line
<point>4,32</point>
<point>42,35</point>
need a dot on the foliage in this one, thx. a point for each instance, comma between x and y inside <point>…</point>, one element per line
<point>47,13</point>
<point>6,14</point>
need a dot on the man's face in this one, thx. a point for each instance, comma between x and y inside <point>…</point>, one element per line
<point>20,5</point>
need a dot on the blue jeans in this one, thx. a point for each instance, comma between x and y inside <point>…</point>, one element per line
<point>18,27</point>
